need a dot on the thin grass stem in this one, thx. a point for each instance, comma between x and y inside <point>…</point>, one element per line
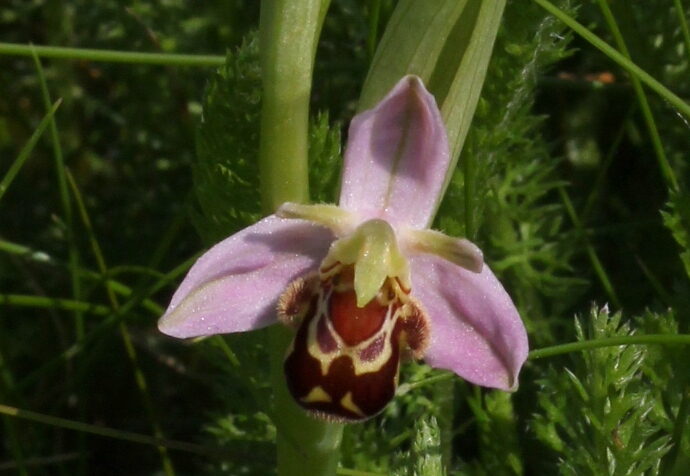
<point>104,327</point>
<point>679,431</point>
<point>251,384</point>
<point>14,443</point>
<point>25,153</point>
<point>406,387</point>
<point>591,252</point>
<point>139,376</point>
<point>120,288</point>
<point>666,171</point>
<point>219,342</point>
<point>110,432</point>
<point>599,181</point>
<point>647,339</point>
<point>15,447</point>
<point>30,300</point>
<point>112,56</point>
<point>665,297</point>
<point>683,25</point>
<point>73,251</point>
<point>36,461</point>
<point>617,57</point>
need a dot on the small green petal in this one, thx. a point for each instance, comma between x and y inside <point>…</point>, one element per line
<point>338,220</point>
<point>373,249</point>
<point>459,251</point>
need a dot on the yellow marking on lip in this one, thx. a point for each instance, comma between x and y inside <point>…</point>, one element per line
<point>317,394</point>
<point>313,348</point>
<point>347,403</point>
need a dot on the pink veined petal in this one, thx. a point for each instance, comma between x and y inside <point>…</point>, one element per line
<point>475,329</point>
<point>235,285</point>
<point>396,158</point>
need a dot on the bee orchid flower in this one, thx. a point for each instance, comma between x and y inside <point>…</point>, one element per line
<point>365,283</point>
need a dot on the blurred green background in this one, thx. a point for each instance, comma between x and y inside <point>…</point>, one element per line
<point>128,134</point>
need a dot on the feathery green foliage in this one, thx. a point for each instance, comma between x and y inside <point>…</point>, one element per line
<point>677,220</point>
<point>556,119</point>
<point>601,415</point>
<point>325,160</point>
<point>424,458</point>
<point>226,173</point>
<point>497,429</point>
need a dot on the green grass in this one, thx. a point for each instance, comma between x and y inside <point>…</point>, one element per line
<point>563,180</point>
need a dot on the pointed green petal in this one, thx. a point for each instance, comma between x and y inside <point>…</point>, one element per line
<point>373,250</point>
<point>333,217</point>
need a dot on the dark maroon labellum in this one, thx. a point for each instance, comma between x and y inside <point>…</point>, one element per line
<point>344,360</point>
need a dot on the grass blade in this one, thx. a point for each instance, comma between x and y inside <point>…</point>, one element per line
<point>139,376</point>
<point>112,56</point>
<point>108,432</point>
<point>622,61</point>
<point>27,149</point>
<point>64,199</point>
<point>666,170</point>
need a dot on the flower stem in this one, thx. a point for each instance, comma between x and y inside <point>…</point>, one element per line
<point>288,34</point>
<point>305,445</point>
<point>289,30</point>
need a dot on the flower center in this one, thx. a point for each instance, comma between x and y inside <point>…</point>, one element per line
<point>372,249</point>
<point>344,360</point>
<point>352,323</point>
<point>356,318</point>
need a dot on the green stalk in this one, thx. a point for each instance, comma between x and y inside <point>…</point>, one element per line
<point>676,459</point>
<point>354,472</point>
<point>288,33</point>
<point>661,339</point>
<point>305,445</point>
<point>111,56</point>
<point>289,30</point>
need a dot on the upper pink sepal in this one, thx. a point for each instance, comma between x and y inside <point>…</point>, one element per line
<point>235,285</point>
<point>396,158</point>
<point>476,330</point>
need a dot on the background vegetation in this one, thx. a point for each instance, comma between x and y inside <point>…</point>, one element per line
<point>579,199</point>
